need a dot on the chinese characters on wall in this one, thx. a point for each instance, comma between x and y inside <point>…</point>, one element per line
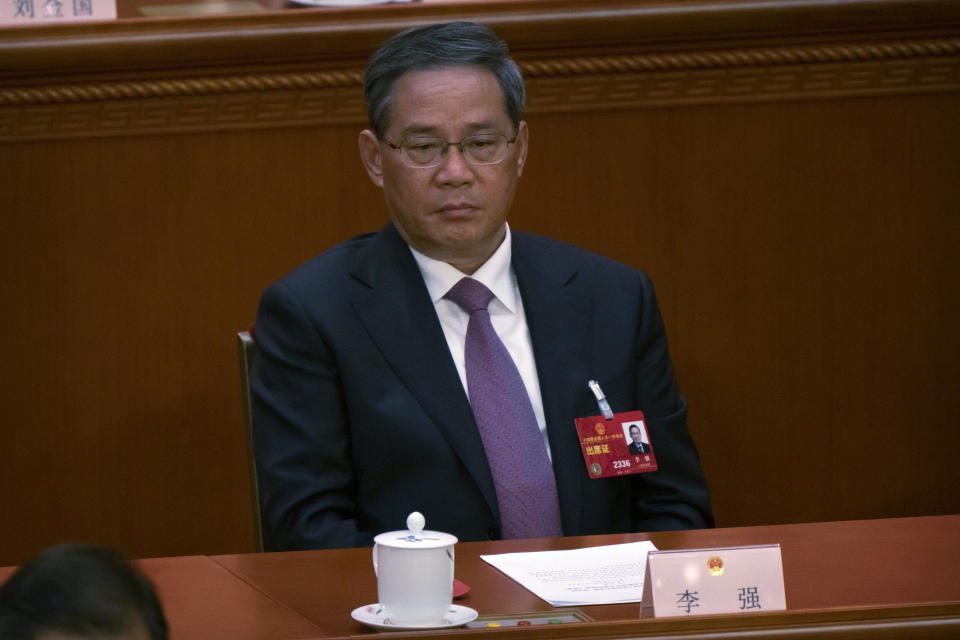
<point>49,11</point>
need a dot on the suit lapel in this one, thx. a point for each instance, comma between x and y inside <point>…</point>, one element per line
<point>395,308</point>
<point>558,315</point>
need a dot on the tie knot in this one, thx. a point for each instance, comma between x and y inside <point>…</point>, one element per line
<point>470,294</point>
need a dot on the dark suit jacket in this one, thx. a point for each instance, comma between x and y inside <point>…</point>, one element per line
<point>360,416</point>
<point>638,448</point>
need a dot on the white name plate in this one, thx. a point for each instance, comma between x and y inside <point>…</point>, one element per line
<point>688,582</point>
<point>35,12</point>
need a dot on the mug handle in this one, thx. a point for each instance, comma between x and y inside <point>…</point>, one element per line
<point>375,546</point>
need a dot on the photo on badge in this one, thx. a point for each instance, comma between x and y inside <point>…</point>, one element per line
<point>637,440</point>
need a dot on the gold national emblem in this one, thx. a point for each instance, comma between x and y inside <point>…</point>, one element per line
<point>595,468</point>
<point>600,429</point>
<point>715,564</point>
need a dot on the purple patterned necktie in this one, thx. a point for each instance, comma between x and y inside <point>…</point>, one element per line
<point>522,473</point>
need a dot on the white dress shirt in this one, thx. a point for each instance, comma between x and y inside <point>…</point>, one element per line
<point>506,315</point>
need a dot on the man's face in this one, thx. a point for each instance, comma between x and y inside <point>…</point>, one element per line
<point>455,211</point>
<point>635,434</point>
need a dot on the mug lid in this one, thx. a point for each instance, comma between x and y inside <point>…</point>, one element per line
<point>415,537</point>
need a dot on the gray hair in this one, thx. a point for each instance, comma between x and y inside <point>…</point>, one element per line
<point>437,46</point>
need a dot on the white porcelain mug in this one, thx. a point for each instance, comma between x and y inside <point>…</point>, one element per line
<point>414,571</point>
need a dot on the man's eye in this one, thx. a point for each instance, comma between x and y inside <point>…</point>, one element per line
<point>481,143</point>
<point>423,145</point>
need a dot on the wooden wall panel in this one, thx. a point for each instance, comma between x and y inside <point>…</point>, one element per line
<point>131,264</point>
<point>787,175</point>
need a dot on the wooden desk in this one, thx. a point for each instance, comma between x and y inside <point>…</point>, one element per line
<point>894,572</point>
<point>895,578</point>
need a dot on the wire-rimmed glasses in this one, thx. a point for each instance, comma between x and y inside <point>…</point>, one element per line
<point>423,152</point>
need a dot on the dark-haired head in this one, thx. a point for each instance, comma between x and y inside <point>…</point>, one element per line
<point>80,591</point>
<point>437,46</point>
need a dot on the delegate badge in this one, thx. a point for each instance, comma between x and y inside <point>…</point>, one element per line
<point>616,447</point>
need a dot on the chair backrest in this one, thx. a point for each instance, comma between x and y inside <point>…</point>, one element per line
<point>247,350</point>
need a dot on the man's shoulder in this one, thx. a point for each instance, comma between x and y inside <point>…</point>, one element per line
<point>328,266</point>
<point>553,253</point>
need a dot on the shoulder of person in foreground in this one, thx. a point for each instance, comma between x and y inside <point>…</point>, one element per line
<point>80,591</point>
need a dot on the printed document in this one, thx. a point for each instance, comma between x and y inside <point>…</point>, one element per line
<point>592,575</point>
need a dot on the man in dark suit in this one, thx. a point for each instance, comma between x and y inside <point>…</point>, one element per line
<point>637,445</point>
<point>362,390</point>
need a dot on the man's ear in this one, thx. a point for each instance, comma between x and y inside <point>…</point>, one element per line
<point>523,138</point>
<point>370,156</point>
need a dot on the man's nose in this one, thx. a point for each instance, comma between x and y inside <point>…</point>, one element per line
<point>454,165</point>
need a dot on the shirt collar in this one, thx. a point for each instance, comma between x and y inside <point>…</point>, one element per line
<point>494,274</point>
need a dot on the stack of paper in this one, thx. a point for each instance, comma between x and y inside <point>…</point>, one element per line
<point>594,575</point>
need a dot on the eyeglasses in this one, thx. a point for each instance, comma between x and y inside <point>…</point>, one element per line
<point>421,153</point>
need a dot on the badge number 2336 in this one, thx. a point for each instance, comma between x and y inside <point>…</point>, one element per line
<point>617,447</point>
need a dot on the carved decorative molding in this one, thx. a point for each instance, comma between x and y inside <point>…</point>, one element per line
<point>180,87</point>
<point>554,85</point>
<point>738,58</point>
<point>743,84</point>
